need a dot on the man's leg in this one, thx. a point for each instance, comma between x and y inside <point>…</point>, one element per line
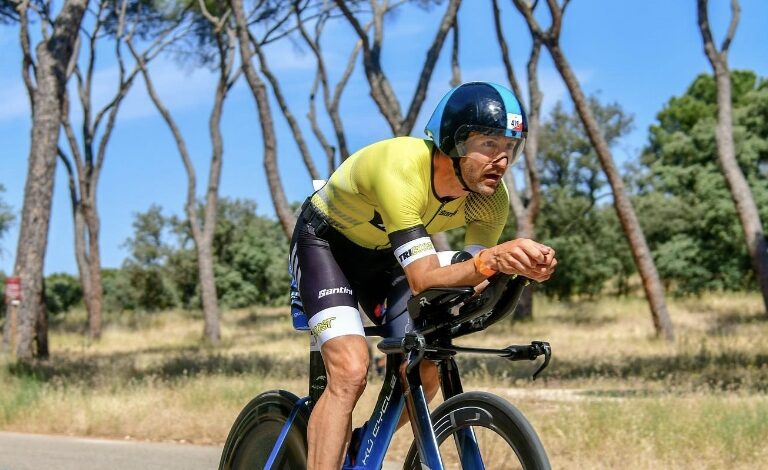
<point>330,424</point>
<point>429,382</point>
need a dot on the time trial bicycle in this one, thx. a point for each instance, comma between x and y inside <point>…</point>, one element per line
<point>469,430</point>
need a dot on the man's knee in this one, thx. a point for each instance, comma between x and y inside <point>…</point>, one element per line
<point>346,361</point>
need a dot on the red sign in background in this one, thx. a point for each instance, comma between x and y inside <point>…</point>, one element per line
<point>12,289</point>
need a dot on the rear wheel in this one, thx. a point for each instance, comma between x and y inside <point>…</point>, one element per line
<point>505,439</point>
<point>256,429</point>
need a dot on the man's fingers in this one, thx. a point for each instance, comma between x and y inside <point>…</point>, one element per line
<point>533,251</point>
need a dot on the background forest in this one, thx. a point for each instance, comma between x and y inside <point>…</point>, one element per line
<point>682,217</point>
<point>681,197</point>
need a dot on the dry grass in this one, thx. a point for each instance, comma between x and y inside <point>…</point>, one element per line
<point>614,395</point>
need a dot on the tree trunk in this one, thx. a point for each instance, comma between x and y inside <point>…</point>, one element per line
<point>95,296</point>
<point>525,214</point>
<point>41,328</point>
<point>259,91</point>
<point>741,193</point>
<point>54,55</point>
<point>639,247</point>
<point>202,236</point>
<point>381,89</point>
<point>746,208</point>
<point>208,292</point>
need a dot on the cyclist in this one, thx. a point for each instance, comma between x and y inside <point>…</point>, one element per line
<point>363,239</point>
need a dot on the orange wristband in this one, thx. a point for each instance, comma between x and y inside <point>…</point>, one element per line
<point>482,267</point>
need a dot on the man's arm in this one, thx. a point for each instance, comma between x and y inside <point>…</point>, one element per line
<point>521,256</point>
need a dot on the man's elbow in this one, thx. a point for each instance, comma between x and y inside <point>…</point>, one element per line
<point>418,285</point>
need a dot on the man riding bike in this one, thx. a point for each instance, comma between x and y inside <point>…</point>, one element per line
<point>363,239</point>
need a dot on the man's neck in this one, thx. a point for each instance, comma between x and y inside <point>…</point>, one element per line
<point>446,182</point>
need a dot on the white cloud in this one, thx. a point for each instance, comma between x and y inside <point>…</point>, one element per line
<point>288,55</point>
<point>177,88</point>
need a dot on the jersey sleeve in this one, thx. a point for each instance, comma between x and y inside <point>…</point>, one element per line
<point>394,179</point>
<point>402,191</point>
<point>486,217</point>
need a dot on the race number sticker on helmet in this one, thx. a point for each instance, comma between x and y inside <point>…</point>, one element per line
<point>413,250</point>
<point>514,122</point>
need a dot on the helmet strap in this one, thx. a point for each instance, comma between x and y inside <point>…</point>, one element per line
<point>457,171</point>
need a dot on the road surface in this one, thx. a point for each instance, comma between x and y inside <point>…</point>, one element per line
<point>43,452</point>
<point>39,452</point>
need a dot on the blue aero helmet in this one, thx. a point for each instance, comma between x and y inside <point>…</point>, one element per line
<point>481,107</point>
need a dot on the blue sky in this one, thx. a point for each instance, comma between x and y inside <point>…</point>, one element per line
<point>638,54</point>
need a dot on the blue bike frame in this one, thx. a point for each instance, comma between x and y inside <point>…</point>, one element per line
<point>378,432</point>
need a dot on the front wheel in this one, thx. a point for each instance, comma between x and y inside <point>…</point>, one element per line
<point>505,439</point>
<point>256,429</point>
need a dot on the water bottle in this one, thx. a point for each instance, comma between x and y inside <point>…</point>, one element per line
<point>298,316</point>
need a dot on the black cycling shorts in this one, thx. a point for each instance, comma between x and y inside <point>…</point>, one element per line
<point>334,275</point>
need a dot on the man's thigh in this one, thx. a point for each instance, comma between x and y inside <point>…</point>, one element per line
<point>326,293</point>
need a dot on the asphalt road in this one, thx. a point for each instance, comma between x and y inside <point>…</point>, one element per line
<point>41,452</point>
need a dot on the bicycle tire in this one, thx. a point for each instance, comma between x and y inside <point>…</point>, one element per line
<point>256,429</point>
<point>497,416</point>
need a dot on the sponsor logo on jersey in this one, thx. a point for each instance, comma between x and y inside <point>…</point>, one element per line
<point>414,250</point>
<point>335,290</point>
<point>377,221</point>
<point>446,213</point>
<point>514,122</point>
<point>322,326</point>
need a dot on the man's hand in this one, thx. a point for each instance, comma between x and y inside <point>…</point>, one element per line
<point>522,256</point>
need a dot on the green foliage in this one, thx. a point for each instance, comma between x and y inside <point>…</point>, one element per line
<point>2,304</point>
<point>62,292</point>
<point>6,215</point>
<point>117,289</point>
<point>250,262</point>
<point>684,204</point>
<point>6,220</point>
<point>576,218</point>
<point>250,256</point>
<point>148,281</point>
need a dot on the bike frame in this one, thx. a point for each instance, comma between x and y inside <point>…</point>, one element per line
<point>430,340</point>
<point>401,374</point>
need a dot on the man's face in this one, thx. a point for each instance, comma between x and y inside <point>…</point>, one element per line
<point>485,161</point>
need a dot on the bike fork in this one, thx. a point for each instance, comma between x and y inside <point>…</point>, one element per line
<point>416,403</point>
<point>284,432</point>
<point>465,439</point>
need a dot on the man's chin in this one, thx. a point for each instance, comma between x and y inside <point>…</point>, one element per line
<point>487,188</point>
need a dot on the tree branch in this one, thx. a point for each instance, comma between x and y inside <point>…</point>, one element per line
<point>180,144</point>
<point>735,14</point>
<point>455,67</point>
<point>511,77</point>
<point>429,66</point>
<point>298,136</point>
<point>27,60</point>
<point>706,34</point>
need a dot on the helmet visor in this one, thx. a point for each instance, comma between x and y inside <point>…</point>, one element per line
<point>488,144</point>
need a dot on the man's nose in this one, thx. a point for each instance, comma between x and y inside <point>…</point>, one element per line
<point>501,160</point>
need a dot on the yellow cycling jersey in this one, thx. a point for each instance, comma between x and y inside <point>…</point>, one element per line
<point>388,187</point>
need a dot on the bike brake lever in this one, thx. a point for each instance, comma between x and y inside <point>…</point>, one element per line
<point>542,347</point>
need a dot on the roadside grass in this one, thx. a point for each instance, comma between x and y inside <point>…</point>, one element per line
<point>614,394</point>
